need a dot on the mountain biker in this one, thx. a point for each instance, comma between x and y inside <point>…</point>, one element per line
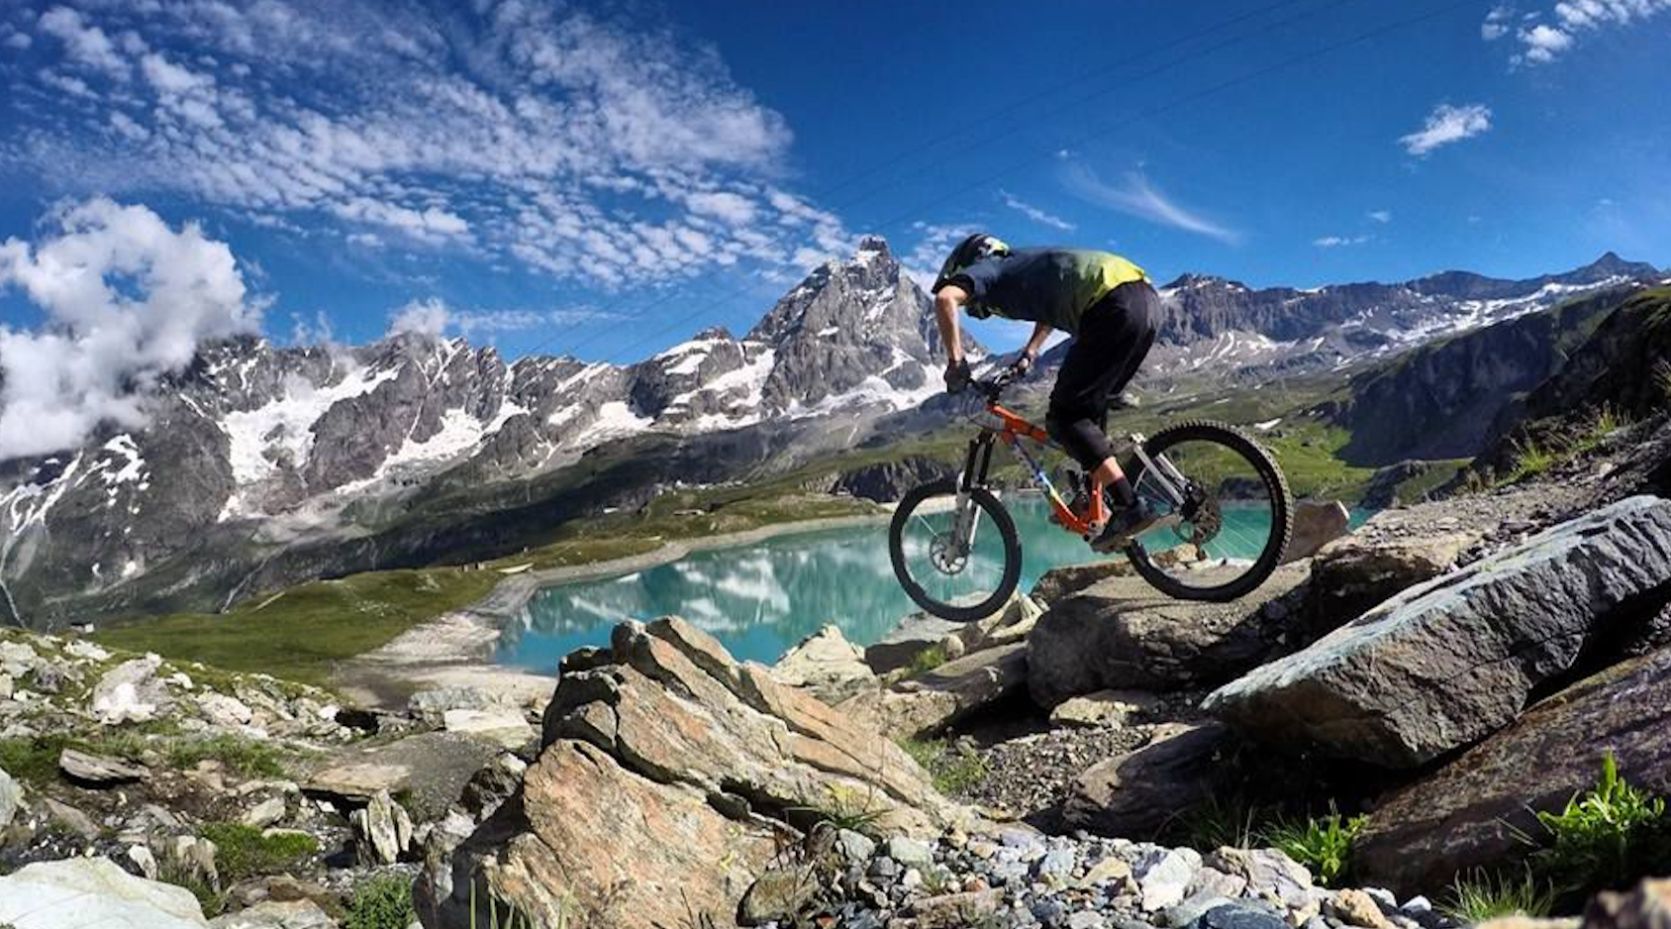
<point>1105,302</point>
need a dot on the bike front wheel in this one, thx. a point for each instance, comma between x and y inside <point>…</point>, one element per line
<point>1227,533</point>
<point>957,556</point>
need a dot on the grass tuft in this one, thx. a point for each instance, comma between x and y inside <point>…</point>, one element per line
<point>243,851</point>
<point>954,772</point>
<point>1481,895</point>
<point>1605,837</point>
<point>248,757</point>
<point>928,659</point>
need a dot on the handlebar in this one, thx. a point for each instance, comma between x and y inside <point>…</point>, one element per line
<point>993,387</point>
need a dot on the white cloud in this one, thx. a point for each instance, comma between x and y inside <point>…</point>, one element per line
<point>1448,124</point>
<point>540,134</point>
<point>1496,24</point>
<point>421,317</point>
<point>127,300</point>
<point>1137,197</point>
<point>1380,216</point>
<point>85,44</point>
<point>1542,42</point>
<point>1034,213</point>
<point>1339,241</point>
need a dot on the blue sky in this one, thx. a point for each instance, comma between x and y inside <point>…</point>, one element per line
<point>608,178</point>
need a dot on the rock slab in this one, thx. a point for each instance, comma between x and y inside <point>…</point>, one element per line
<point>1455,659</point>
<point>80,892</point>
<point>1466,814</point>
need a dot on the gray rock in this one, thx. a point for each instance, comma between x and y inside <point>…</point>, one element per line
<point>910,852</point>
<point>265,813</point>
<point>1467,814</point>
<point>273,914</point>
<point>1236,916</point>
<point>502,725</point>
<point>194,856</point>
<point>1120,633</point>
<point>855,846</point>
<point>131,692</point>
<point>143,860</point>
<point>97,770</point>
<point>80,892</point>
<point>384,830</point>
<point>1271,876</point>
<point>1193,908</point>
<point>431,706</point>
<point>11,797</point>
<point>18,659</point>
<point>1136,793</point>
<point>1163,876</point>
<point>1452,660</point>
<point>914,635</point>
<point>223,710</point>
<point>71,818</point>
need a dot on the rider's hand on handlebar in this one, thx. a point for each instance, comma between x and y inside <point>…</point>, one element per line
<point>958,376</point>
<point>1019,368</point>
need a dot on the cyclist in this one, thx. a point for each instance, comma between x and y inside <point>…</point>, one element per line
<point>1109,307</point>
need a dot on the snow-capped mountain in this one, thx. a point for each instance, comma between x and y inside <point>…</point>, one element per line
<point>1214,325</point>
<point>275,445</point>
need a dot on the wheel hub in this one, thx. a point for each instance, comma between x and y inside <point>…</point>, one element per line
<point>1203,519</point>
<point>946,555</point>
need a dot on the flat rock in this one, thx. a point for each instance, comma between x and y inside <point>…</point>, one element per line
<point>1120,633</point>
<point>430,768</point>
<point>272,914</point>
<point>1454,659</point>
<point>1134,794</point>
<point>1071,579</point>
<point>431,706</point>
<point>1103,708</point>
<point>97,770</point>
<point>920,632</point>
<point>826,664</point>
<point>1466,814</point>
<point>1316,524</point>
<point>1645,906</point>
<point>503,725</point>
<point>80,892</point>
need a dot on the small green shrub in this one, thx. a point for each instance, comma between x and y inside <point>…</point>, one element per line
<point>1323,844</point>
<point>1605,837</point>
<point>953,772</point>
<point>1480,896</point>
<point>928,659</point>
<point>33,760</point>
<point>381,902</point>
<point>243,851</point>
<point>248,757</point>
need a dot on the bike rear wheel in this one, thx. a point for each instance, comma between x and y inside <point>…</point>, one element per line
<point>1228,535</point>
<point>943,575</point>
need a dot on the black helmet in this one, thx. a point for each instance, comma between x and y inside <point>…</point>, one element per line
<point>977,247</point>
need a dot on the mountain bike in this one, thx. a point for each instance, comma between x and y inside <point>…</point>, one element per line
<point>1226,514</point>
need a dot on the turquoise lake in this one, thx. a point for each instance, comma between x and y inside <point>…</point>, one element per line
<point>761,599</point>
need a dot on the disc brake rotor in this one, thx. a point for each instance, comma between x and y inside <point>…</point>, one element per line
<point>1203,520</point>
<point>946,555</point>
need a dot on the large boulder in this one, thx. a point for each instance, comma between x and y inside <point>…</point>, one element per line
<point>429,769</point>
<point>131,692</point>
<point>826,664</point>
<point>1120,633</point>
<point>662,779</point>
<point>80,892</point>
<point>1457,658</point>
<point>1133,795</point>
<point>1316,524</point>
<point>1468,813</point>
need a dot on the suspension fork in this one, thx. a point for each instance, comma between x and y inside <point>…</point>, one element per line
<point>976,464</point>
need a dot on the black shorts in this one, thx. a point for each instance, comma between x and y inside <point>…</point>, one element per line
<point>1115,335</point>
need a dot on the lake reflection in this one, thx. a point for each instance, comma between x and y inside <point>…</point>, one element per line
<point>761,599</point>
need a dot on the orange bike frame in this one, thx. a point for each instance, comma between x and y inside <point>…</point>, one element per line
<point>1013,429</point>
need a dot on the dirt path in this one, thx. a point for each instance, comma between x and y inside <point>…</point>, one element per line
<point>456,649</point>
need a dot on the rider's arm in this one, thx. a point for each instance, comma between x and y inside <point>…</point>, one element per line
<point>1041,331</point>
<point>946,302</point>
